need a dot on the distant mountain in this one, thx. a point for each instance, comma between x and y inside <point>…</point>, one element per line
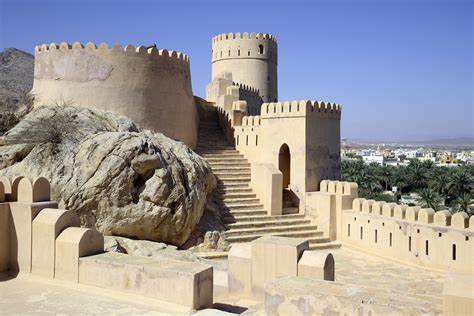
<point>16,76</point>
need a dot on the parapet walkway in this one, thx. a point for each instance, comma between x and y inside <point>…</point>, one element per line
<point>242,210</point>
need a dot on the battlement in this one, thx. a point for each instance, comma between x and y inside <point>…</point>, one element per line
<point>245,35</point>
<point>251,120</point>
<point>103,48</point>
<point>414,214</point>
<point>138,82</point>
<point>245,87</point>
<point>299,108</point>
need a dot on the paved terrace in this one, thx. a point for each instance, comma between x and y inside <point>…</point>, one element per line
<point>419,291</point>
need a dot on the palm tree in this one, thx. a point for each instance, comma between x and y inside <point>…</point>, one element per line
<point>429,198</point>
<point>463,204</point>
<point>418,173</point>
<point>439,181</point>
<point>461,182</point>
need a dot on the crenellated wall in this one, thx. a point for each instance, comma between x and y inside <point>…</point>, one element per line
<point>411,235</point>
<point>251,58</point>
<point>310,129</point>
<point>150,86</point>
<point>39,239</point>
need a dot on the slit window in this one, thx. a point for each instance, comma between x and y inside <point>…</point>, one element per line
<point>409,243</point>
<point>454,251</point>
<point>390,240</point>
<point>237,139</point>
<point>238,52</point>
<point>247,140</point>
<point>348,230</point>
<point>248,54</point>
<point>260,49</point>
<point>375,236</point>
<point>256,140</point>
<point>229,52</point>
<point>361,232</point>
<point>426,248</point>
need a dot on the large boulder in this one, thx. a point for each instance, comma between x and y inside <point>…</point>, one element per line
<point>118,178</point>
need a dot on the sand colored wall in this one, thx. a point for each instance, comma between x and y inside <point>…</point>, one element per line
<point>240,55</point>
<point>410,234</point>
<point>152,87</point>
<point>38,238</point>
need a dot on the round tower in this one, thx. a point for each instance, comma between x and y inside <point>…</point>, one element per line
<point>250,58</point>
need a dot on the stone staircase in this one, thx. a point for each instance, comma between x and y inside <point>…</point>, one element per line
<point>243,213</point>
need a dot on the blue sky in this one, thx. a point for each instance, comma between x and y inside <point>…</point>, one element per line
<point>403,70</point>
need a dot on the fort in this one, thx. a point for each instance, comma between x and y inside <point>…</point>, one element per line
<point>277,164</point>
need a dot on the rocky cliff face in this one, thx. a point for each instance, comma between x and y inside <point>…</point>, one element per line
<point>16,77</point>
<point>122,180</point>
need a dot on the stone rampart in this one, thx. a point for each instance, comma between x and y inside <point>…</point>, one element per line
<point>412,235</point>
<point>39,239</point>
<point>150,86</point>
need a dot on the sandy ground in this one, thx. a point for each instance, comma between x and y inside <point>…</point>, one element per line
<point>26,295</point>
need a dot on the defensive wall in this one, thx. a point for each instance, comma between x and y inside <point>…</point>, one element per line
<point>299,139</point>
<point>251,58</point>
<point>411,235</point>
<point>150,86</point>
<point>38,239</point>
<point>223,90</point>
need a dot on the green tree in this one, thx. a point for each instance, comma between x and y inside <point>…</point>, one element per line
<point>461,182</point>
<point>429,199</point>
<point>463,204</point>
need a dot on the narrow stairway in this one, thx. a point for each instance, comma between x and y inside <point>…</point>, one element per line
<point>243,213</point>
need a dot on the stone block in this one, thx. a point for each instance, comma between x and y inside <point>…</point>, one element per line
<point>4,236</point>
<point>71,244</point>
<point>38,190</point>
<point>460,220</point>
<point>240,269</point>
<point>47,226</point>
<point>22,215</point>
<point>315,264</point>
<point>274,257</point>
<point>189,284</point>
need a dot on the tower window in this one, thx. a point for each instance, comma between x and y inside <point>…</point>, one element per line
<point>260,49</point>
<point>229,52</point>
<point>248,53</point>
<point>238,52</point>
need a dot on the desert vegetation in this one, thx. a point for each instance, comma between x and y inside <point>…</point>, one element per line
<point>435,187</point>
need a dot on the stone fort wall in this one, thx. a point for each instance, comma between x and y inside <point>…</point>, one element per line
<point>411,235</point>
<point>150,86</point>
<point>251,58</point>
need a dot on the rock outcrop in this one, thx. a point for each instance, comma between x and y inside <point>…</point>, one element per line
<point>16,77</point>
<point>118,178</point>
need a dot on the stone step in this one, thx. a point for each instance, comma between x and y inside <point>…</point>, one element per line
<point>232,174</point>
<point>234,178</point>
<point>310,235</point>
<point>243,206</point>
<point>223,153</point>
<point>260,218</point>
<point>229,164</point>
<point>269,230</point>
<point>324,245</point>
<point>224,191</point>
<point>239,200</point>
<point>268,223</point>
<point>230,168</point>
<point>221,186</point>
<point>210,156</point>
<point>241,195</point>
<point>236,214</point>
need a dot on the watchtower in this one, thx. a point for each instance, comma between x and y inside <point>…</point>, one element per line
<point>250,59</point>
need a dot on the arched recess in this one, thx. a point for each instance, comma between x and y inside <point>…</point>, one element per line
<point>284,164</point>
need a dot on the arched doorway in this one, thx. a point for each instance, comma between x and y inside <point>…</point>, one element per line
<point>284,164</point>
<point>290,200</point>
